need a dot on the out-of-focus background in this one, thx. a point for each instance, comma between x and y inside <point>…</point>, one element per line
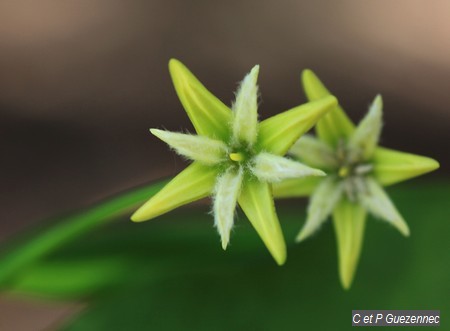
<point>82,81</point>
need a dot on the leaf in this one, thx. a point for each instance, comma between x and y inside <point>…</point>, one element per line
<point>392,166</point>
<point>193,183</point>
<point>278,133</point>
<point>67,229</point>
<point>70,279</point>
<point>257,203</point>
<point>333,126</point>
<point>208,114</point>
<point>349,221</point>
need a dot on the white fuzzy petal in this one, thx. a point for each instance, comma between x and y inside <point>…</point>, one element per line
<point>313,152</point>
<point>378,203</point>
<point>226,193</point>
<point>367,134</point>
<point>272,168</point>
<point>245,120</point>
<point>321,205</point>
<point>197,148</point>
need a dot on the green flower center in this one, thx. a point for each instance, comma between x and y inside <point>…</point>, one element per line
<point>352,170</point>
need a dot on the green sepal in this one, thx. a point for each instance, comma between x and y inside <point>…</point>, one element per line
<point>193,183</point>
<point>210,116</point>
<point>278,133</point>
<point>349,221</point>
<point>333,126</point>
<point>390,166</point>
<point>294,188</point>
<point>257,203</point>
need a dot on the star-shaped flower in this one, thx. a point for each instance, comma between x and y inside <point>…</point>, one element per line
<point>235,157</point>
<point>357,170</point>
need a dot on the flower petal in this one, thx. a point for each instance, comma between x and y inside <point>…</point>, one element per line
<point>257,203</point>
<point>226,192</point>
<point>193,183</point>
<point>391,166</point>
<point>278,133</point>
<point>296,187</point>
<point>245,120</point>
<point>349,220</point>
<point>208,114</point>
<point>197,148</point>
<point>379,204</point>
<point>367,134</point>
<point>314,152</point>
<point>333,126</point>
<point>323,200</point>
<point>273,168</point>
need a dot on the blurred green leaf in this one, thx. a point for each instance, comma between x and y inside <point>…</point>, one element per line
<point>24,252</point>
<point>171,274</point>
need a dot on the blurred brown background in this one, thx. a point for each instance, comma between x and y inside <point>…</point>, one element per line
<point>82,81</point>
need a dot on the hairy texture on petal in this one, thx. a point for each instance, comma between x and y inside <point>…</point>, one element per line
<point>208,114</point>
<point>245,120</point>
<point>197,148</point>
<point>335,125</point>
<point>379,204</point>
<point>296,187</point>
<point>226,193</point>
<point>278,133</point>
<point>367,134</point>
<point>314,152</point>
<point>273,168</point>
<point>257,203</point>
<point>193,183</point>
<point>349,220</point>
<point>321,205</point>
<point>390,166</point>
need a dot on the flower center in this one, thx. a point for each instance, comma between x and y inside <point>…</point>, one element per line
<point>352,170</point>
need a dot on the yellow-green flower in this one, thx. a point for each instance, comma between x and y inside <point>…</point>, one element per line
<point>357,170</point>
<point>235,158</point>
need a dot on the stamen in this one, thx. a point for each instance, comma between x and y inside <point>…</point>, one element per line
<point>344,171</point>
<point>237,157</point>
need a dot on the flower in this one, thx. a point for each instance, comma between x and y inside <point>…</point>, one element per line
<point>357,170</point>
<point>235,157</point>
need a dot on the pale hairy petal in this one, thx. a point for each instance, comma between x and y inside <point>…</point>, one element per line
<point>378,203</point>
<point>367,134</point>
<point>349,220</point>
<point>226,193</point>
<point>273,168</point>
<point>193,183</point>
<point>323,200</point>
<point>314,152</point>
<point>197,148</point>
<point>257,203</point>
<point>245,120</point>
